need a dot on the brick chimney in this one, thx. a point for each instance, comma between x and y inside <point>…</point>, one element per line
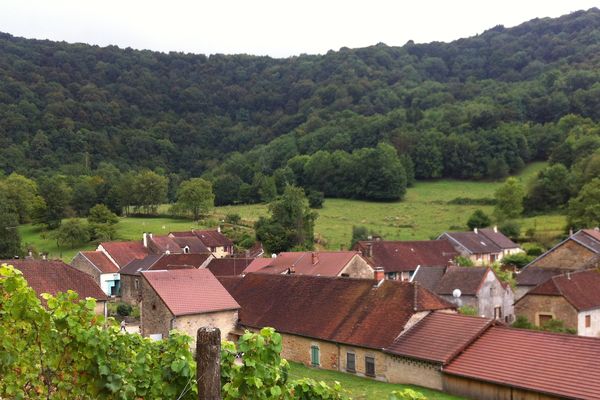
<point>314,258</point>
<point>379,274</point>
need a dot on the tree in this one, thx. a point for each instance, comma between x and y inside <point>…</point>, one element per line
<point>510,228</point>
<point>23,193</point>
<point>148,191</point>
<point>227,189</point>
<point>196,197</point>
<point>315,199</point>
<point>509,200</point>
<point>291,224</point>
<point>57,197</point>
<point>584,210</point>
<point>478,219</point>
<point>100,214</point>
<point>550,189</point>
<point>72,233</point>
<point>10,239</point>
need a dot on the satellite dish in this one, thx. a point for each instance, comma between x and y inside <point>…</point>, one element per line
<point>273,255</point>
<point>456,293</point>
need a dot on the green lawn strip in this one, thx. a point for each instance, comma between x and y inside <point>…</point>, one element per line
<point>358,387</point>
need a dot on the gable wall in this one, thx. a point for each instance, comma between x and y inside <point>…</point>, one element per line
<point>569,255</point>
<point>84,265</point>
<point>358,268</point>
<point>531,305</point>
<point>155,317</point>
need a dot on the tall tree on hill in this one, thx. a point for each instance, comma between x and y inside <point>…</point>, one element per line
<point>10,239</point>
<point>584,210</point>
<point>149,190</point>
<point>509,200</point>
<point>196,197</point>
<point>57,196</point>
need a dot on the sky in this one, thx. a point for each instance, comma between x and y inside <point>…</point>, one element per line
<point>278,28</point>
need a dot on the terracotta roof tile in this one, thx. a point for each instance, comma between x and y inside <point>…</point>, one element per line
<point>56,276</point>
<point>190,291</point>
<point>581,289</point>
<point>399,256</point>
<point>210,237</point>
<point>257,264</point>
<point>560,365</point>
<point>101,262</point>
<point>343,310</point>
<point>193,243</point>
<point>124,252</point>
<point>320,263</point>
<point>228,266</point>
<point>439,336</point>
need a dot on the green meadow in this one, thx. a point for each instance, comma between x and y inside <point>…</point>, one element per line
<point>423,214</point>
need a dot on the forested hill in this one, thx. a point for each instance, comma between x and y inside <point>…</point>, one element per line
<point>472,108</point>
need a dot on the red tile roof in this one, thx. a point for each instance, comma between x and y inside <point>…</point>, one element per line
<point>228,266</point>
<point>581,289</point>
<point>190,291</point>
<point>162,244</point>
<point>210,238</point>
<point>193,243</point>
<point>399,256</point>
<point>439,336</point>
<point>257,264</point>
<point>56,276</point>
<point>467,279</point>
<point>321,263</point>
<point>101,262</point>
<point>125,252</point>
<point>556,364</point>
<point>343,310</point>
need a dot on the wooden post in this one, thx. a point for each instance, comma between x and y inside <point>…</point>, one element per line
<point>208,361</point>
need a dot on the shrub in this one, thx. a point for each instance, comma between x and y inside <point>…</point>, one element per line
<point>534,250</point>
<point>463,261</point>
<point>406,394</point>
<point>100,214</point>
<point>315,199</point>
<point>478,219</point>
<point>124,309</point>
<point>510,229</point>
<point>518,260</point>
<point>522,322</point>
<point>468,310</point>
<point>233,218</point>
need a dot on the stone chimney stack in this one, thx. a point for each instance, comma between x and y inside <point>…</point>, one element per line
<point>475,230</point>
<point>369,249</point>
<point>496,228</point>
<point>145,239</point>
<point>379,274</point>
<point>314,258</point>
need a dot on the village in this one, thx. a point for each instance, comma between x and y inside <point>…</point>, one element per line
<point>394,311</point>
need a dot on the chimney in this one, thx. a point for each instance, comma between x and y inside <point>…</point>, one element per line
<point>570,231</point>
<point>475,230</point>
<point>379,274</point>
<point>568,275</point>
<point>145,239</point>
<point>495,228</point>
<point>219,228</point>
<point>315,258</point>
<point>369,249</point>
<point>44,256</point>
<point>291,270</point>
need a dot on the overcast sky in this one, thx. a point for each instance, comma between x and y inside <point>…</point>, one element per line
<point>278,28</point>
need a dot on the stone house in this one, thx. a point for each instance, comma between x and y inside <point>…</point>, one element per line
<point>478,287</point>
<point>101,268</point>
<point>131,291</point>
<point>400,259</point>
<point>573,298</point>
<point>53,276</point>
<point>218,244</point>
<point>349,264</point>
<point>483,246</point>
<point>580,251</point>
<point>332,322</point>
<point>185,300</point>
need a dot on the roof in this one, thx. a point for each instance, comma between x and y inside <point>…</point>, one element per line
<point>533,276</point>
<point>164,244</point>
<point>210,238</point>
<point>581,289</point>
<point>556,364</point>
<point>228,266</point>
<point>190,291</point>
<point>343,310</point>
<point>257,264</point>
<point>467,279</point>
<point>589,238</point>
<point>192,242</point>
<point>101,262</point>
<point>164,261</point>
<point>321,263</point>
<point>439,337</point>
<point>46,276</point>
<point>397,256</point>
<point>125,252</point>
<point>474,243</point>
<point>498,238</point>
<point>429,277</point>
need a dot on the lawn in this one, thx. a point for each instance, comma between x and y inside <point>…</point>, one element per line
<point>360,388</point>
<point>423,214</point>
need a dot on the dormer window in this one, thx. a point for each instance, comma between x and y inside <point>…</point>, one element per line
<point>186,250</point>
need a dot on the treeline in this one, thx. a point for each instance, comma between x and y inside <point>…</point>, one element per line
<point>474,108</point>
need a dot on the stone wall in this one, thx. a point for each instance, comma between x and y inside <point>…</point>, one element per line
<point>569,255</point>
<point>81,263</point>
<point>155,317</point>
<point>129,294</point>
<point>414,372</point>
<point>532,305</point>
<point>224,320</point>
<point>493,294</point>
<point>358,268</point>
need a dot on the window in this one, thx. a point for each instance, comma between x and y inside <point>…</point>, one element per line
<point>588,321</point>
<point>369,366</point>
<point>544,319</point>
<point>314,356</point>
<point>497,312</point>
<point>350,362</point>
<point>136,284</point>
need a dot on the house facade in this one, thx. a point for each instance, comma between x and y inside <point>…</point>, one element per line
<point>483,246</point>
<point>185,300</point>
<point>573,298</point>
<point>217,243</point>
<point>101,268</point>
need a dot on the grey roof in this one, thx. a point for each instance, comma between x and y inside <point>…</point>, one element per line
<point>533,276</point>
<point>467,279</point>
<point>474,243</point>
<point>429,277</point>
<point>588,238</point>
<point>498,238</point>
<point>137,265</point>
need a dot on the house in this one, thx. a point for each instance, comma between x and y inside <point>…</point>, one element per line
<point>482,246</point>
<point>573,298</point>
<point>219,244</point>
<point>318,263</point>
<point>332,322</point>
<point>578,252</point>
<point>174,245</point>
<point>230,266</point>
<point>131,291</point>
<point>478,287</point>
<point>101,268</point>
<point>184,299</point>
<point>53,276</point>
<point>507,363</point>
<point>400,259</point>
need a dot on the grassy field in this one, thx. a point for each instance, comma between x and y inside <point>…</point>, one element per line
<point>423,214</point>
<point>360,388</point>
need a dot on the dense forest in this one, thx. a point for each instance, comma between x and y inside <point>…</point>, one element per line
<point>357,123</point>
